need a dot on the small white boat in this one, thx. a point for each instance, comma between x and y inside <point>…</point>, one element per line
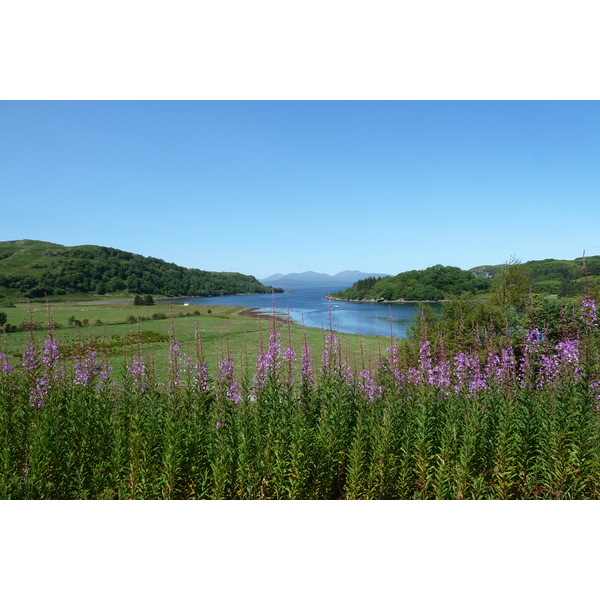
<point>335,306</point>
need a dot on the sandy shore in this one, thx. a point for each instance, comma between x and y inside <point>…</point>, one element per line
<point>258,314</point>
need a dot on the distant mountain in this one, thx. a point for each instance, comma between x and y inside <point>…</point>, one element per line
<point>34,269</point>
<point>344,278</point>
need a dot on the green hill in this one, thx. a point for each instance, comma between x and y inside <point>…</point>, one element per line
<point>553,276</point>
<point>549,276</point>
<point>434,283</point>
<point>34,269</point>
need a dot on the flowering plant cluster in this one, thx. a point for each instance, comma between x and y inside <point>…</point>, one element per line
<point>516,418</point>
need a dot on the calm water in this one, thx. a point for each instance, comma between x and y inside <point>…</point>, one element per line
<point>308,305</point>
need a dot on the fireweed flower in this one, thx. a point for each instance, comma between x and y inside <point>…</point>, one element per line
<point>88,369</point>
<point>424,358</point>
<point>226,379</point>
<point>595,389</point>
<point>43,375</point>
<point>567,357</point>
<point>50,360</point>
<point>439,376</point>
<point>40,391</point>
<point>477,382</point>
<point>548,371</point>
<point>137,371</point>
<point>331,355</point>
<point>268,364</point>
<point>392,364</point>
<point>174,367</point>
<point>366,384</point>
<point>200,377</point>
<point>306,373</point>
<point>500,368</point>
<point>461,369</point>
<point>5,367</point>
<point>346,373</point>
<point>290,357</point>
<point>414,376</point>
<point>332,364</point>
<point>588,313</point>
<point>29,363</point>
<point>531,352</point>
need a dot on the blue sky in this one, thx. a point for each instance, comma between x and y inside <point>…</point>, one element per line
<point>282,186</point>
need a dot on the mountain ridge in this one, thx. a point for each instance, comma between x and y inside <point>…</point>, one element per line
<point>317,279</point>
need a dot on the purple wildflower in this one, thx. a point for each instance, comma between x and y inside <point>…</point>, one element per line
<point>568,359</point>
<point>290,357</point>
<point>50,359</point>
<point>226,379</point>
<point>595,389</point>
<point>137,372</point>
<point>366,384</point>
<point>588,312</point>
<point>439,376</point>
<point>331,355</point>
<point>200,377</point>
<point>477,383</point>
<point>531,353</point>
<point>42,376</point>
<point>424,358</point>
<point>307,378</point>
<point>5,367</point>
<point>174,367</point>
<point>500,369</point>
<point>462,366</point>
<point>392,364</point>
<point>40,391</point>
<point>332,363</point>
<point>30,357</point>
<point>268,364</point>
<point>88,369</point>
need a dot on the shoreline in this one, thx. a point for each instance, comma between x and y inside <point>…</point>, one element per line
<point>387,301</point>
<point>258,314</point>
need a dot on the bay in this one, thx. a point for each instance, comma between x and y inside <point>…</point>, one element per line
<point>309,306</point>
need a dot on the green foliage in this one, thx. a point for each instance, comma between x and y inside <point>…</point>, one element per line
<point>431,284</point>
<point>512,286</point>
<point>38,269</point>
<point>146,300</point>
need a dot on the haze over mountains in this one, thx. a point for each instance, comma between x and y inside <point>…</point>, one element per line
<point>344,278</point>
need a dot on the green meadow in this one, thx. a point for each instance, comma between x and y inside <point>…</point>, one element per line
<point>117,329</point>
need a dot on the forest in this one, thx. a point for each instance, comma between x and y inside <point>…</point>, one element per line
<point>36,269</point>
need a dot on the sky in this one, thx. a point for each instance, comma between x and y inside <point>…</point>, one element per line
<point>261,187</point>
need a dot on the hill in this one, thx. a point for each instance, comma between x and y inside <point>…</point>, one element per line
<point>552,276</point>
<point>434,283</point>
<point>34,269</point>
<point>548,276</point>
<point>344,278</point>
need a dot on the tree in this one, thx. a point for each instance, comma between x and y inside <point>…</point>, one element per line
<point>3,319</point>
<point>511,286</point>
<point>148,300</point>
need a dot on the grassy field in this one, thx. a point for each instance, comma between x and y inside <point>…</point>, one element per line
<point>118,327</point>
